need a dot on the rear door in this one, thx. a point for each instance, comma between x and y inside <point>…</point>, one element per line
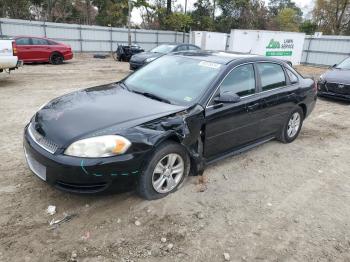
<point>41,49</point>
<point>24,48</point>
<point>278,96</point>
<point>232,125</point>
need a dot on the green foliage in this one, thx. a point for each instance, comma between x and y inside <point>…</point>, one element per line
<point>178,22</point>
<point>308,27</point>
<point>288,20</point>
<point>112,12</point>
<point>202,16</point>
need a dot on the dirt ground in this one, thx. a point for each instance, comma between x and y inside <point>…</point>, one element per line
<point>276,202</point>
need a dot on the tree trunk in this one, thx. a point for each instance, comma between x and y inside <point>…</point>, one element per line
<point>168,7</point>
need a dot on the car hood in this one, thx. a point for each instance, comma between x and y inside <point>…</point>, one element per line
<point>338,76</point>
<point>101,110</point>
<point>141,57</point>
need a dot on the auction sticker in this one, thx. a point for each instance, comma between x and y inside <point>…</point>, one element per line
<point>209,64</point>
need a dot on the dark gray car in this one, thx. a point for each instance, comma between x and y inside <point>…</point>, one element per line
<point>335,83</point>
<point>143,58</point>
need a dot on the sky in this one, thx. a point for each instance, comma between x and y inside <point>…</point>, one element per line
<point>305,5</point>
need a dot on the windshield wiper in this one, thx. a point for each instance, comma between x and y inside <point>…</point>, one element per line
<point>152,96</point>
<point>124,86</point>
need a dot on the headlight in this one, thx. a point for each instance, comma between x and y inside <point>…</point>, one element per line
<point>322,80</point>
<point>150,59</point>
<point>100,146</point>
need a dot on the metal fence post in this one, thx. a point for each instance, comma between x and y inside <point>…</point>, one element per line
<point>0,27</point>
<point>80,39</point>
<point>308,51</point>
<point>44,28</point>
<point>175,36</point>
<point>111,39</point>
<point>157,37</point>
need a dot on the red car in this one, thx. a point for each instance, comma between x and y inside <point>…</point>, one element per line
<point>32,49</point>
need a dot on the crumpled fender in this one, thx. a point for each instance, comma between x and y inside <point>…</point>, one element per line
<point>184,127</point>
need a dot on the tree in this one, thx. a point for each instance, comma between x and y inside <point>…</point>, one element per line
<point>288,20</point>
<point>276,6</point>
<point>178,22</point>
<point>15,9</point>
<point>112,12</point>
<point>332,16</point>
<point>246,14</point>
<point>308,27</point>
<point>201,16</point>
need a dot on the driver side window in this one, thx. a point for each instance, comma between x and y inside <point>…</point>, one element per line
<point>240,81</point>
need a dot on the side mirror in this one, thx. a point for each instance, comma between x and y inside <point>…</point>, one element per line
<point>227,97</point>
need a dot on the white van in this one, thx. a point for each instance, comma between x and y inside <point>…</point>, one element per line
<point>8,59</point>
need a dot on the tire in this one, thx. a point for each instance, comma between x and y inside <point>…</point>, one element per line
<point>288,134</point>
<point>56,59</point>
<point>153,178</point>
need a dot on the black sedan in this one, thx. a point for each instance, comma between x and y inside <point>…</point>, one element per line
<point>141,59</point>
<point>167,120</point>
<point>335,83</point>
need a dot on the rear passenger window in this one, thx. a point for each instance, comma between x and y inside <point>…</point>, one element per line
<point>23,41</point>
<point>240,81</point>
<point>182,48</point>
<point>38,41</point>
<point>292,77</point>
<point>191,47</point>
<point>272,76</point>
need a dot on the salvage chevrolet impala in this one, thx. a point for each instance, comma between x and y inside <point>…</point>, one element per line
<point>169,119</point>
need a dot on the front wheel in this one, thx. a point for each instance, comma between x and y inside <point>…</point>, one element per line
<point>292,127</point>
<point>165,172</point>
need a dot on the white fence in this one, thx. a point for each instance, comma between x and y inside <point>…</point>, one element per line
<point>83,38</point>
<point>325,50</point>
<point>320,51</point>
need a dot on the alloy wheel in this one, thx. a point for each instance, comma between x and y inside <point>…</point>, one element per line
<point>294,125</point>
<point>168,173</point>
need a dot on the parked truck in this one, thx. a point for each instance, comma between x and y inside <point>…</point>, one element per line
<point>8,56</point>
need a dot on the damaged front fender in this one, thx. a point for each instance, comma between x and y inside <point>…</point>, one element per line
<point>184,127</point>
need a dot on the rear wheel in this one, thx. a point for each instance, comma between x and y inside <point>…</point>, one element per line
<point>56,59</point>
<point>165,172</point>
<point>292,127</point>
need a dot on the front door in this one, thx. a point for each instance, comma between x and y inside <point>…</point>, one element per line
<point>231,125</point>
<point>41,49</point>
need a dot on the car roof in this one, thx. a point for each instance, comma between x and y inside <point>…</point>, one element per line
<point>221,57</point>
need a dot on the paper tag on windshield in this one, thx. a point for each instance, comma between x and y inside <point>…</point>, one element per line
<point>209,64</point>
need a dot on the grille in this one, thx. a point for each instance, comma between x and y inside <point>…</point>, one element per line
<point>338,88</point>
<point>77,188</point>
<point>43,142</point>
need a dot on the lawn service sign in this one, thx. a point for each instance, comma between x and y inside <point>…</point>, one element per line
<point>282,45</point>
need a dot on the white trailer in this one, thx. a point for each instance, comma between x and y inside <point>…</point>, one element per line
<point>209,40</point>
<point>278,44</point>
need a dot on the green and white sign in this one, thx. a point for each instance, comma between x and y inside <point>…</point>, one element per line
<point>275,48</point>
<point>283,45</point>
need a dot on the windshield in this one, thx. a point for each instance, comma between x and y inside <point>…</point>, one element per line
<point>177,79</point>
<point>345,64</point>
<point>164,49</point>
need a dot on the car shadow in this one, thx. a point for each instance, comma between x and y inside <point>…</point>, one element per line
<point>335,100</point>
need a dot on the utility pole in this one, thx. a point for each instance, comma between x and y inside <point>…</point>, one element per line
<point>183,34</point>
<point>129,25</point>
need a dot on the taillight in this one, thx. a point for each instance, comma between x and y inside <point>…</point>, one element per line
<point>315,86</point>
<point>14,48</point>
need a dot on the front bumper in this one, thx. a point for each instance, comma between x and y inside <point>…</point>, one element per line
<point>323,91</point>
<point>334,95</point>
<point>83,175</point>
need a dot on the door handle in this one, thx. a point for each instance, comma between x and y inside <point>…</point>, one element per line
<point>253,107</point>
